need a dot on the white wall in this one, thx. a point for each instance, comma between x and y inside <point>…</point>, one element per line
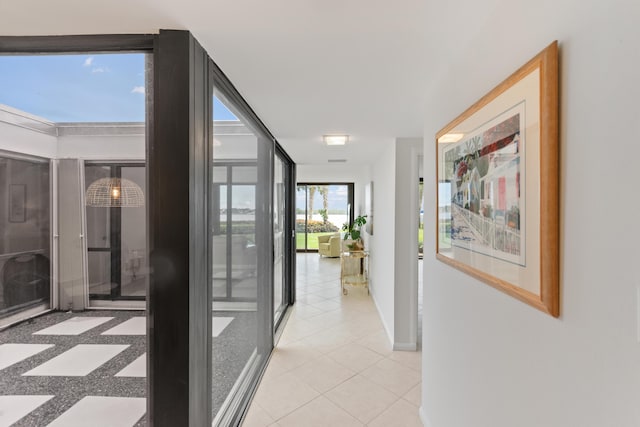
<point>394,244</point>
<point>488,359</point>
<point>26,141</point>
<point>408,153</point>
<point>382,244</point>
<point>129,147</point>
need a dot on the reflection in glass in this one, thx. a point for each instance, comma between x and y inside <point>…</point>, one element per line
<point>279,228</point>
<point>235,281</point>
<point>25,235</point>
<point>116,239</point>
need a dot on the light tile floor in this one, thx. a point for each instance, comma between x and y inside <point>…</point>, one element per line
<point>334,365</point>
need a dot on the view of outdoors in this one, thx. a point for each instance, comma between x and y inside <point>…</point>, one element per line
<point>320,209</point>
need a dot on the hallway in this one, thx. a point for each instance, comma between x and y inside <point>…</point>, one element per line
<point>333,364</point>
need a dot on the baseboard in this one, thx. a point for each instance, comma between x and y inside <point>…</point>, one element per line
<point>384,324</point>
<point>402,346</point>
<point>423,417</point>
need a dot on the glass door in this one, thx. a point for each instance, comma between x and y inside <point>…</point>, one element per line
<point>281,236</point>
<point>321,209</point>
<point>116,234</point>
<point>25,257</point>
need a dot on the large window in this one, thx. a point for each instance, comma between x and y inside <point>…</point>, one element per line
<point>321,209</point>
<point>118,199</point>
<point>69,232</point>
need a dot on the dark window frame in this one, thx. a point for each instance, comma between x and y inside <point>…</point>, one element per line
<point>179,129</point>
<point>350,214</point>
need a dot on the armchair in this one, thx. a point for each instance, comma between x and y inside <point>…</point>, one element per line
<point>329,245</point>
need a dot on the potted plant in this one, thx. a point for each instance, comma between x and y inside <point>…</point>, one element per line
<point>354,232</point>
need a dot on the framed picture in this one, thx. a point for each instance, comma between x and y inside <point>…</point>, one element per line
<point>17,203</point>
<point>497,186</point>
<point>368,207</point>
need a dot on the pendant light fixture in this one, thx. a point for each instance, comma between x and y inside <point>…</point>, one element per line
<point>114,193</point>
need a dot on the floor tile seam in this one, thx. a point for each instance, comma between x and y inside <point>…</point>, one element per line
<point>290,368</point>
<point>309,317</point>
<point>351,340</point>
<point>400,396</point>
<point>305,334</point>
<point>310,357</point>
<point>410,402</point>
<point>349,367</point>
<point>289,413</point>
<point>399,363</point>
<point>378,352</point>
<point>406,365</point>
<point>327,391</point>
<point>311,401</point>
<point>256,403</point>
<point>380,415</point>
<point>337,402</point>
<point>294,409</point>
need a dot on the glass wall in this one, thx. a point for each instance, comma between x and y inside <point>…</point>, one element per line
<point>280,236</point>
<point>219,222</point>
<point>25,236</point>
<point>116,232</point>
<point>69,234</point>
<point>237,239</point>
<point>250,225</point>
<point>321,209</point>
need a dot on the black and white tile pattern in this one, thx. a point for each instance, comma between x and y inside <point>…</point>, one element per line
<point>59,369</point>
<point>89,368</point>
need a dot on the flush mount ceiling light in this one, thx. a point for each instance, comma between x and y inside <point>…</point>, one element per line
<point>335,139</point>
<point>114,193</point>
<point>451,137</point>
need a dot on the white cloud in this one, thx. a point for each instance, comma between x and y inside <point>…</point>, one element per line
<point>88,62</point>
<point>98,70</point>
<point>138,89</point>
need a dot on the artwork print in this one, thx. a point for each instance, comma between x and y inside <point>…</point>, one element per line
<point>485,173</point>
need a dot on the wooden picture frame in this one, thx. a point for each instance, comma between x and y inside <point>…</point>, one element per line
<point>17,203</point>
<point>497,213</point>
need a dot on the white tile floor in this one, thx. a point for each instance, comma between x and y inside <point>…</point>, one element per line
<point>102,411</point>
<point>219,324</point>
<point>14,353</point>
<point>134,326</point>
<point>334,365</point>
<point>74,326</point>
<point>137,368</point>
<point>13,408</point>
<point>78,361</point>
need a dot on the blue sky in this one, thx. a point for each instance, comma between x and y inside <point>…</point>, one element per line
<point>80,88</point>
<point>338,198</point>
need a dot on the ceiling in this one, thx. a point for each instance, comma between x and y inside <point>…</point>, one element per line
<point>307,67</point>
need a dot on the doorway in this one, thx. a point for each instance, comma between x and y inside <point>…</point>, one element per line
<point>25,237</point>
<point>321,208</point>
<point>116,235</point>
